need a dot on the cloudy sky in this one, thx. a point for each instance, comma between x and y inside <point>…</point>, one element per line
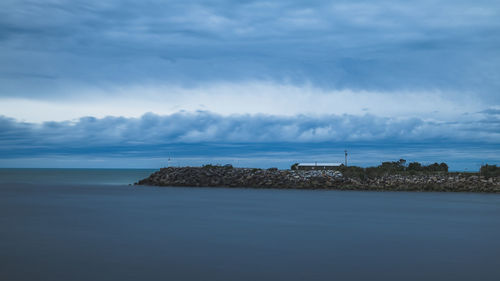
<point>91,83</point>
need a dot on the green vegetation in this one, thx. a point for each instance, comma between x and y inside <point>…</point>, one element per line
<point>415,166</point>
<point>489,171</point>
<point>210,166</point>
<point>353,171</point>
<point>390,168</point>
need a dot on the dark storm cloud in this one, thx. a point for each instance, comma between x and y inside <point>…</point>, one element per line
<point>145,135</point>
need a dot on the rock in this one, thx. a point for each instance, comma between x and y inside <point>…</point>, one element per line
<point>228,176</point>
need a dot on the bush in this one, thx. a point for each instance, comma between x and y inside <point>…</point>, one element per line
<point>417,167</point>
<point>414,166</point>
<point>373,172</point>
<point>352,171</point>
<point>490,170</point>
<point>444,167</point>
<point>396,167</point>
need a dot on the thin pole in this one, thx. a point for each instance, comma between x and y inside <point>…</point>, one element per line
<point>345,151</point>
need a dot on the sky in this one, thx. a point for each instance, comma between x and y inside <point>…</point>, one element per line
<point>262,83</point>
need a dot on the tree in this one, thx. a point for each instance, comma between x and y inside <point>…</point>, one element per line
<point>490,170</point>
<point>444,167</point>
<point>414,166</point>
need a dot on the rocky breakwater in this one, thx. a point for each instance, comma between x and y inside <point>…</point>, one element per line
<point>227,176</point>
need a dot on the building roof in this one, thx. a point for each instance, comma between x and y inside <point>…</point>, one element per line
<point>320,164</point>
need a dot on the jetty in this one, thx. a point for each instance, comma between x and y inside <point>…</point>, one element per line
<point>228,176</point>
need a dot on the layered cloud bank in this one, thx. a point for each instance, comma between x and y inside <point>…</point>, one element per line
<point>232,73</point>
<point>206,127</point>
<point>247,140</point>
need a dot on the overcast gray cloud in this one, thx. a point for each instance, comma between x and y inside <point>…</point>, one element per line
<point>89,133</point>
<point>54,47</point>
<point>246,140</point>
<point>239,72</point>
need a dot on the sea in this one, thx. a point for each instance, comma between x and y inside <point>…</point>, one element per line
<point>92,224</point>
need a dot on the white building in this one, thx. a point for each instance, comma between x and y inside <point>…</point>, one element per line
<point>318,166</point>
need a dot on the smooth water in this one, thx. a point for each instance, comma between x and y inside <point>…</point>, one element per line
<point>74,176</point>
<point>61,231</point>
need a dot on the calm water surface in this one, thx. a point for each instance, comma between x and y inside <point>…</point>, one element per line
<point>58,230</point>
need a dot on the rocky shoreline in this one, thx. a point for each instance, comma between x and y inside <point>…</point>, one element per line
<point>227,176</point>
